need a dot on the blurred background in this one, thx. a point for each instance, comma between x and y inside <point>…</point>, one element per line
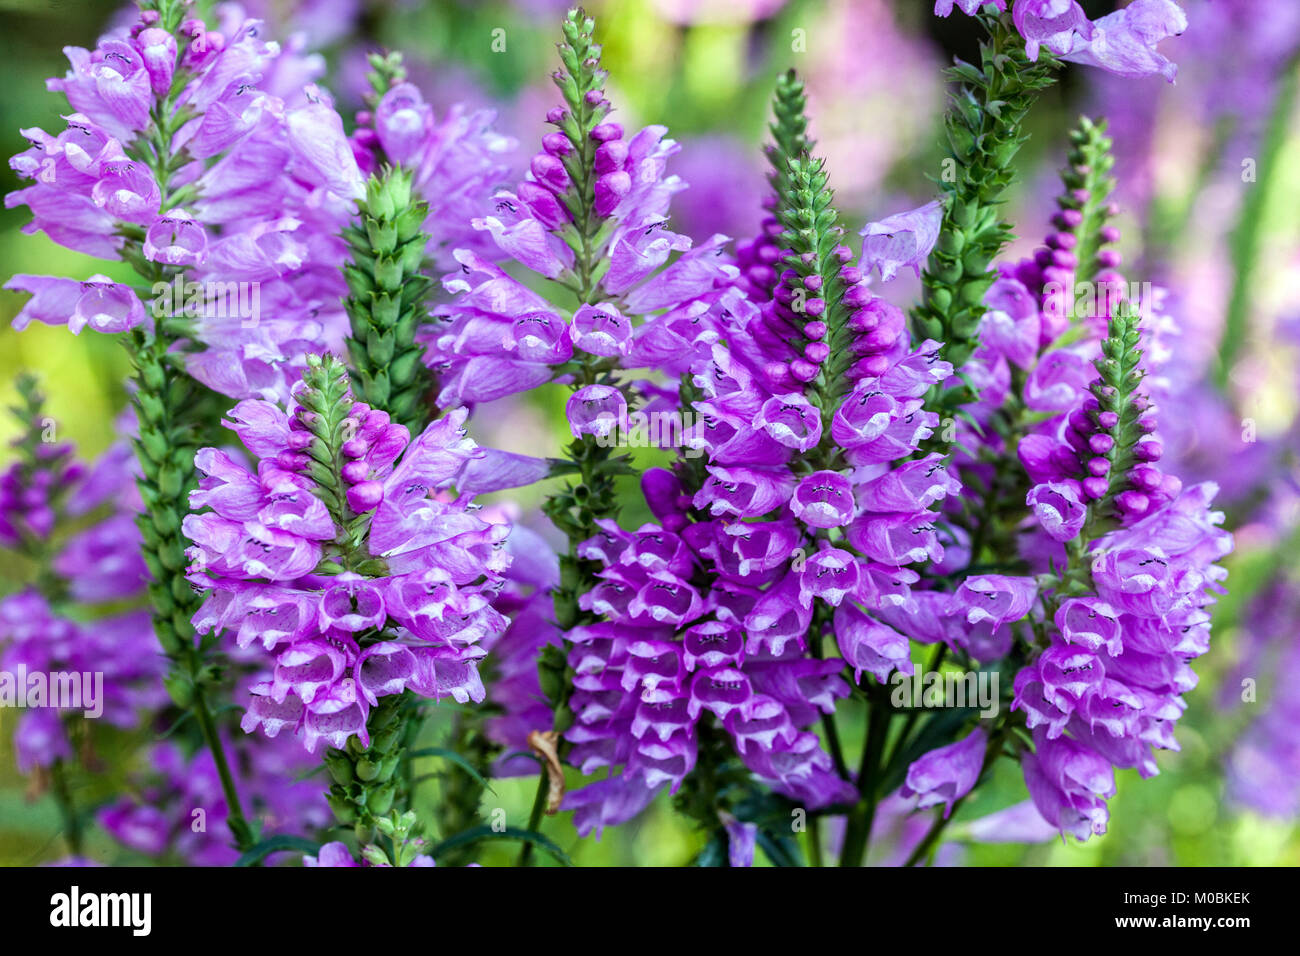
<point>1209,185</point>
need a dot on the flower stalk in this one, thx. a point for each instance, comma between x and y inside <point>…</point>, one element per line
<point>386,300</point>
<point>984,131</point>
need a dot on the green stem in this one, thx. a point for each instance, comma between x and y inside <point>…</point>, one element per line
<point>857,834</point>
<point>900,744</point>
<point>169,407</point>
<point>239,828</point>
<point>461,795</point>
<point>1247,238</point>
<point>67,807</point>
<point>815,841</point>
<point>534,818</point>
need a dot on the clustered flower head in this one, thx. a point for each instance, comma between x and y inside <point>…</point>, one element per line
<point>800,525</point>
<point>179,158</point>
<point>74,520</point>
<point>347,556</point>
<point>594,189</point>
<point>38,641</point>
<point>1126,557</point>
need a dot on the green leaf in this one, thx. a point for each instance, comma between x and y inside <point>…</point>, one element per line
<point>180,721</point>
<point>276,844</point>
<point>782,851</point>
<point>714,852</point>
<point>458,760</point>
<point>486,832</point>
<point>309,773</point>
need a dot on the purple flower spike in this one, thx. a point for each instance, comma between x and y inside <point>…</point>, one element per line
<point>595,410</point>
<point>823,499</point>
<point>947,774</point>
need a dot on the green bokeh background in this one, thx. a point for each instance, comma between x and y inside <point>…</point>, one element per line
<point>695,80</point>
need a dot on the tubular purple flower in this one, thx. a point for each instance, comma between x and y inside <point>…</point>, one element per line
<point>1055,24</point>
<point>1124,42</point>
<point>996,598</point>
<point>946,774</point>
<point>176,240</point>
<point>870,645</point>
<point>903,240</point>
<point>596,410</point>
<point>98,303</point>
<point>1058,508</point>
<point>824,499</point>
